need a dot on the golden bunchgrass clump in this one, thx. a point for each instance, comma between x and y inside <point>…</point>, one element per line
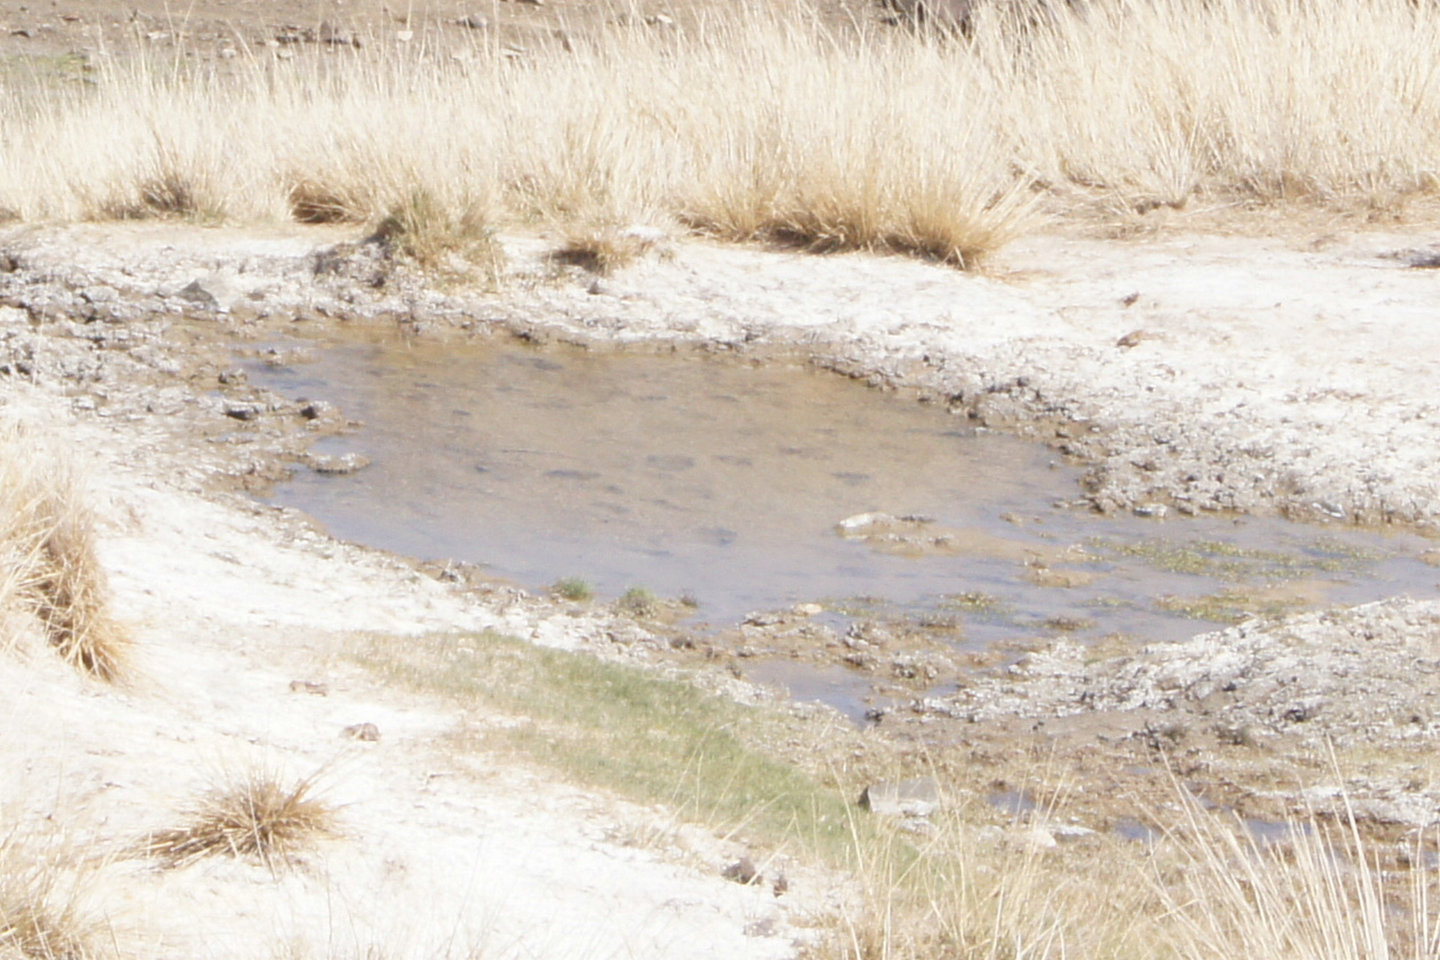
<point>253,817</point>
<point>48,563</point>
<point>603,248</point>
<point>763,124</point>
<point>41,917</point>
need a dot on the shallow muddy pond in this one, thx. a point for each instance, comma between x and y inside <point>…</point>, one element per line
<point>727,483</point>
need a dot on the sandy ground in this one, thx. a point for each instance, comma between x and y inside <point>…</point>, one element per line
<point>1197,372</point>
<point>440,855</point>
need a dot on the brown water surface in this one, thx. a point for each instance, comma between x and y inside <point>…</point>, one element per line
<point>726,481</point>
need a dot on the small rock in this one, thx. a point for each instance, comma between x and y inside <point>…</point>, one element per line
<point>808,609</point>
<point>242,411</point>
<point>474,22</point>
<point>336,37</point>
<point>311,687</point>
<point>761,928</point>
<point>317,410</point>
<point>1037,838</point>
<point>1154,511</point>
<point>919,797</point>
<point>362,731</point>
<point>340,466</point>
<point>99,294</point>
<point>214,292</point>
<point>235,376</point>
<point>741,871</point>
<point>863,523</point>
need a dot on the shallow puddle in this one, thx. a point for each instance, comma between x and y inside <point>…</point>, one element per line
<point>726,483</point>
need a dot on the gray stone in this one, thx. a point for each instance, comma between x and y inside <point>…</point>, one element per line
<point>741,871</point>
<point>339,466</point>
<point>362,731</point>
<point>919,797</point>
<point>957,15</point>
<point>214,291</point>
<point>242,411</point>
<point>318,410</point>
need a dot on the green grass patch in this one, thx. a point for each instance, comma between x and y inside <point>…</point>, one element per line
<point>573,589</point>
<point>1231,562</point>
<point>625,729</point>
<point>1229,606</point>
<point>639,602</point>
<point>977,603</point>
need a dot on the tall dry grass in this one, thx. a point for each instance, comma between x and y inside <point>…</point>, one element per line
<point>1207,889</point>
<point>44,914</point>
<point>49,570</point>
<point>767,126</point>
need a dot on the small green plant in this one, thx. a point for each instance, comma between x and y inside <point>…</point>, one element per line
<point>573,589</point>
<point>638,602</point>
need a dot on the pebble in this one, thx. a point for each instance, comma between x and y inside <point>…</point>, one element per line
<point>367,732</point>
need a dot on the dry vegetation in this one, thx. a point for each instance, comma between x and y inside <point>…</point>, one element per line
<point>42,910</point>
<point>254,817</point>
<point>757,128</point>
<point>974,882</point>
<point>1206,890</point>
<point>764,126</point>
<point>48,566</point>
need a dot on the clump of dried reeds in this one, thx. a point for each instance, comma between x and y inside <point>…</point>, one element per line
<point>48,562</point>
<point>254,817</point>
<point>41,917</point>
<point>603,248</point>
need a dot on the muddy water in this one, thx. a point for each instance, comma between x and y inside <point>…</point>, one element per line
<point>725,482</point>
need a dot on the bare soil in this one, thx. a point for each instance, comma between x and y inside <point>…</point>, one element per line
<point>1198,372</point>
<point>57,39</point>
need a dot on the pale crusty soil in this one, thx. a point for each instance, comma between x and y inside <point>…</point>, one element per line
<point>1202,372</point>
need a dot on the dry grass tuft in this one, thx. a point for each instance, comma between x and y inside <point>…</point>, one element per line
<point>441,236</point>
<point>314,202</point>
<point>254,817</point>
<point>41,915</point>
<point>604,248</point>
<point>48,563</point>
